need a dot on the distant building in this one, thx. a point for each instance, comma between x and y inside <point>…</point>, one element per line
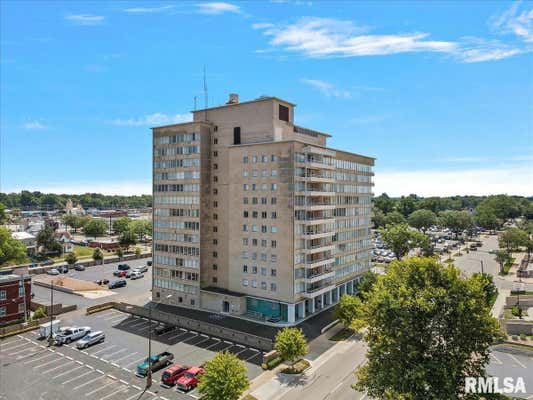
<point>255,216</point>
<point>65,238</point>
<point>15,297</point>
<point>71,209</point>
<point>105,244</point>
<point>29,240</point>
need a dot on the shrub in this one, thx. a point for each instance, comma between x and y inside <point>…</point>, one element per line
<point>523,336</point>
<point>514,337</point>
<point>39,313</point>
<point>297,368</point>
<point>272,363</point>
<point>515,311</point>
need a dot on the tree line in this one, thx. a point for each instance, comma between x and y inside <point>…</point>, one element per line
<point>26,200</point>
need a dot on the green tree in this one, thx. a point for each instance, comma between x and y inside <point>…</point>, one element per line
<point>378,218</point>
<point>11,250</point>
<point>47,240</point>
<point>291,344</point>
<point>384,203</point>
<point>98,255</point>
<point>502,257</point>
<point>486,282</point>
<point>142,227</point>
<point>365,284</point>
<point>95,227</point>
<point>39,313</point>
<point>512,239</point>
<point>225,377</point>
<point>138,251</point>
<point>486,217</point>
<point>529,247</point>
<point>446,332</point>
<point>422,219</point>
<point>121,224</point>
<point>503,206</point>
<point>346,309</point>
<point>394,217</point>
<point>400,238</point>
<point>456,221</point>
<point>75,221</point>
<point>119,252</point>
<point>71,258</point>
<point>128,238</point>
<point>3,216</point>
<point>407,205</point>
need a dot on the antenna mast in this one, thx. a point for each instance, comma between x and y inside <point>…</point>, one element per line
<point>205,95</point>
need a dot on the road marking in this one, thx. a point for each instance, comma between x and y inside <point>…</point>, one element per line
<point>134,396</point>
<point>100,371</point>
<point>225,341</point>
<point>69,358</point>
<point>142,322</point>
<point>79,362</point>
<point>517,361</point>
<point>123,358</point>
<point>130,321</point>
<point>59,366</point>
<point>67,372</point>
<point>124,382</point>
<point>255,355</point>
<point>496,359</point>
<point>50,362</point>
<point>136,387</point>
<point>32,348</point>
<point>104,349</point>
<point>117,319</point>
<point>201,341</point>
<point>242,351</point>
<point>124,389</point>
<point>178,335</point>
<point>77,377</point>
<point>13,341</point>
<point>38,359</point>
<point>112,377</point>
<point>88,382</point>
<point>214,344</point>
<point>15,347</point>
<point>100,388</point>
<point>116,352</point>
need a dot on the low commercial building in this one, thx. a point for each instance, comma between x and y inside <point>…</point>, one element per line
<point>15,297</point>
<point>29,240</point>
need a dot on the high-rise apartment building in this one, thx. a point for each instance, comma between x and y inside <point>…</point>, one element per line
<point>254,216</point>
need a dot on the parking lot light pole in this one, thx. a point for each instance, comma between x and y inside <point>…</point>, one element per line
<point>50,338</point>
<point>481,263</point>
<point>149,374</point>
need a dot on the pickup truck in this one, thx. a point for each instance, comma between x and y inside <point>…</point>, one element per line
<point>71,334</point>
<point>158,361</point>
<point>172,374</point>
<point>189,379</point>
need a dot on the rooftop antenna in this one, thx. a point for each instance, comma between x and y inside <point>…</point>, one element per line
<point>194,103</point>
<point>205,95</point>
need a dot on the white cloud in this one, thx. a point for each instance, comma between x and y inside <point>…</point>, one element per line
<point>33,125</point>
<point>262,25</point>
<point>85,19</point>
<point>510,180</point>
<point>327,88</point>
<point>122,188</point>
<point>474,50</point>
<point>515,22</point>
<point>217,8</point>
<point>148,10</point>
<point>154,120</point>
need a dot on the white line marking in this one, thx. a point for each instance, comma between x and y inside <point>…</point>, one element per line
<point>38,359</point>
<point>112,377</point>
<point>143,322</point>
<point>178,335</point>
<point>136,387</point>
<point>517,361</point>
<point>50,362</point>
<point>77,377</point>
<point>79,362</point>
<point>255,355</point>
<point>88,382</point>
<point>132,397</point>
<point>17,346</point>
<point>33,348</point>
<point>214,344</point>
<point>59,366</point>
<point>134,362</point>
<point>124,389</point>
<point>100,371</point>
<point>123,358</point>
<point>496,359</point>
<point>98,389</point>
<point>67,372</point>
<point>124,382</point>
<point>116,352</point>
<point>69,358</point>
<point>104,349</point>
<point>242,351</point>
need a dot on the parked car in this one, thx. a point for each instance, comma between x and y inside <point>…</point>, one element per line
<point>63,269</point>
<point>156,362</point>
<point>123,267</point>
<point>52,271</point>
<point>68,335</point>
<point>142,268</point>
<point>102,281</point>
<point>189,379</point>
<point>172,374</point>
<point>47,262</point>
<point>120,274</point>
<point>90,339</point>
<point>136,275</point>
<point>162,329</point>
<point>117,283</point>
<point>149,263</point>
<point>79,267</point>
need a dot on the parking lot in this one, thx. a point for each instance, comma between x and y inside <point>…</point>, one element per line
<point>136,291</point>
<point>107,370</point>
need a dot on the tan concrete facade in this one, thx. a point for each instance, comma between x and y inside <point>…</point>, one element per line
<point>267,224</point>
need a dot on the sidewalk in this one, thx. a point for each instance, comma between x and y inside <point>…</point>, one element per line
<point>497,308</point>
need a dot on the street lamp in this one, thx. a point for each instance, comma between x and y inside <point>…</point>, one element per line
<point>480,261</point>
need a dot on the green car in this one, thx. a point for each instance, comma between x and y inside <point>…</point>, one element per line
<point>159,361</point>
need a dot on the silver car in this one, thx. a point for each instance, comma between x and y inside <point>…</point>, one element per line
<point>90,339</point>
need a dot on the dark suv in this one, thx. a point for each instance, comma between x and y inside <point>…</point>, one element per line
<point>123,267</point>
<point>117,283</point>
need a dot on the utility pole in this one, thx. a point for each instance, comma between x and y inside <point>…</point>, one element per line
<point>50,338</point>
<point>149,374</point>
<point>23,283</point>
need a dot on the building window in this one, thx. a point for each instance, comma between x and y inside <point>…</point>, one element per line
<point>215,178</point>
<point>264,229</point>
<point>274,186</point>
<point>254,269</point>
<point>273,200</point>
<point>283,113</point>
<point>215,153</point>
<point>3,295</point>
<point>273,157</point>
<point>274,229</point>
<point>215,128</point>
<point>254,214</point>
<point>21,291</point>
<point>245,241</point>
<point>245,268</point>
<point>215,141</point>
<point>263,200</point>
<point>215,241</point>
<point>245,228</point>
<point>274,172</point>
<point>264,285</point>
<point>245,173</point>
<point>215,229</point>
<point>254,200</point>
<point>245,214</point>
<point>264,186</point>
<point>215,254</point>
<point>273,258</point>
<point>215,279</point>
<point>245,282</point>
<point>254,228</point>
<point>245,200</point>
<point>215,166</point>
<point>264,173</point>
<point>254,159</point>
<point>273,215</point>
<point>237,135</point>
<point>263,271</point>
<point>254,284</point>
<point>215,191</point>
<point>254,242</point>
<point>215,216</point>
<point>21,307</point>
<point>264,158</point>
<point>192,302</point>
<point>273,287</point>
<point>215,267</point>
<point>255,173</point>
<point>245,187</point>
<point>2,311</point>
<point>215,204</point>
<point>273,272</point>
<point>263,243</point>
<point>273,244</point>
<point>245,159</point>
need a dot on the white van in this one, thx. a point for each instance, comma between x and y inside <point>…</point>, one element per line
<point>47,329</point>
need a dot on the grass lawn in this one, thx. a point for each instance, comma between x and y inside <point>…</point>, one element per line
<point>82,252</point>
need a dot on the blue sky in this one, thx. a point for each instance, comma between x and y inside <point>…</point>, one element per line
<point>441,93</point>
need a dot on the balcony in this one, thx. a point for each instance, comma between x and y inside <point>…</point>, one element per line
<point>317,288</point>
<point>319,262</point>
<point>318,233</point>
<point>316,176</point>
<point>319,248</point>
<point>321,276</point>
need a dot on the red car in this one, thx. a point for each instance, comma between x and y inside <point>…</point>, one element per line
<point>120,274</point>
<point>189,379</point>
<point>172,374</point>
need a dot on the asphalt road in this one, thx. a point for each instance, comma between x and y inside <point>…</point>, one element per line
<point>135,292</point>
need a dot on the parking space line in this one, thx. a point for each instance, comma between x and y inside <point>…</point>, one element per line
<point>67,372</point>
<point>135,362</point>
<point>88,382</point>
<point>242,351</point>
<point>100,388</point>
<point>104,349</point>
<point>214,344</point>
<point>178,335</point>
<point>48,363</point>
<point>133,320</point>
<point>124,389</point>
<point>32,348</point>
<point>253,356</point>
<point>126,356</point>
<point>201,341</point>
<point>59,366</point>
<point>13,341</point>
<point>496,359</point>
<point>38,359</point>
<point>142,322</point>
<point>517,361</point>
<point>77,377</point>
<point>134,396</point>
<point>117,319</point>
<point>116,352</point>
